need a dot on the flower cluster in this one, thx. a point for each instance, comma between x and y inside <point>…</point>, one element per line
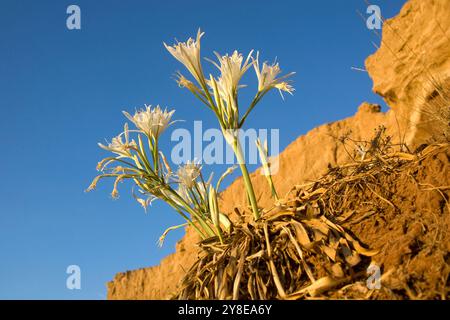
<point>139,160</point>
<point>220,94</point>
<point>185,190</point>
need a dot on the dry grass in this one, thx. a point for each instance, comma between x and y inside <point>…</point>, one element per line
<point>436,111</point>
<point>274,258</point>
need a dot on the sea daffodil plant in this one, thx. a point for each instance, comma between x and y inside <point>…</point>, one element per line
<point>137,157</point>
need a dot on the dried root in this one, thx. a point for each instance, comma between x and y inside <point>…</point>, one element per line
<point>298,249</point>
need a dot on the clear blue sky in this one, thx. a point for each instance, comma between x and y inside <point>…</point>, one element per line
<point>63,91</point>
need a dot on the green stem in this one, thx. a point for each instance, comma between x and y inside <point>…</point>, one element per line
<point>190,222</point>
<point>200,219</point>
<point>202,222</point>
<point>248,183</point>
<point>255,101</point>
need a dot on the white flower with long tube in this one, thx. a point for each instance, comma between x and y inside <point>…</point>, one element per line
<point>231,72</point>
<point>151,121</point>
<point>188,174</point>
<point>188,53</point>
<point>267,77</point>
<point>118,145</point>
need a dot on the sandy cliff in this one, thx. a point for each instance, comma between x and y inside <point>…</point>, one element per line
<point>414,49</point>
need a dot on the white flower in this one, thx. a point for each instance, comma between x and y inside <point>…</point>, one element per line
<point>188,53</point>
<point>267,77</point>
<point>185,83</point>
<point>231,72</point>
<point>151,121</point>
<point>144,202</point>
<point>183,192</point>
<point>119,146</point>
<point>187,179</point>
<point>188,173</point>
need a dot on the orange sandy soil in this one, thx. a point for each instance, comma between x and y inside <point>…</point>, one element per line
<point>412,232</point>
